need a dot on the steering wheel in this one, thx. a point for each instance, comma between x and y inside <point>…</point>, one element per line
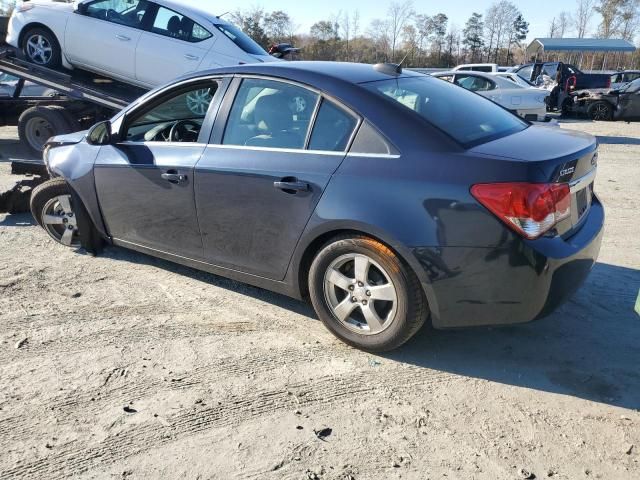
<point>184,131</point>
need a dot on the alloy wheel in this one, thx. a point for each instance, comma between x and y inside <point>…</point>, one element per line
<point>600,112</point>
<point>39,49</point>
<point>198,101</point>
<point>360,294</point>
<point>60,222</point>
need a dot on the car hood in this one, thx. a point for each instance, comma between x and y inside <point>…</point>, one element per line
<point>68,139</point>
<point>538,143</point>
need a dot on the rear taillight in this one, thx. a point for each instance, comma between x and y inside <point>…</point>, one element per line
<point>531,209</point>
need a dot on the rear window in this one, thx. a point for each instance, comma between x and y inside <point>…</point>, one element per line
<point>465,116</point>
<point>238,37</point>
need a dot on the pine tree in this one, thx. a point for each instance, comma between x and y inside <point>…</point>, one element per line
<point>473,35</point>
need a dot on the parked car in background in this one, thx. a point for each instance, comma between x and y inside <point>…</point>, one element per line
<point>618,104</point>
<point>529,103</point>
<point>563,79</point>
<point>9,84</point>
<point>145,43</point>
<point>477,67</point>
<point>515,78</point>
<point>618,79</point>
<point>386,196</point>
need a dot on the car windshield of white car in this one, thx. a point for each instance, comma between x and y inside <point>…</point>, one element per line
<point>466,117</point>
<point>238,37</point>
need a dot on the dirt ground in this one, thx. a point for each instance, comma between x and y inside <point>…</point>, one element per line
<point>124,366</point>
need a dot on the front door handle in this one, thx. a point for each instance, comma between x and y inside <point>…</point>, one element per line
<point>292,185</point>
<point>174,177</point>
<point>124,38</point>
<point>191,57</point>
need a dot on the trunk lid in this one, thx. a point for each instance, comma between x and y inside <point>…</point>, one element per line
<point>553,155</point>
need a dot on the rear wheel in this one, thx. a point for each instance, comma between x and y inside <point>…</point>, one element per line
<point>36,125</point>
<point>365,295</point>
<point>600,111</point>
<point>41,47</point>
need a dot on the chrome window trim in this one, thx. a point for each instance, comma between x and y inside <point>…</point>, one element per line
<point>274,149</point>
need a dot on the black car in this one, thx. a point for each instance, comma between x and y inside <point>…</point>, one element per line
<point>620,104</point>
<point>387,197</point>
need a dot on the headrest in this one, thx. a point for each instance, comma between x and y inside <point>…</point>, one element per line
<point>272,114</point>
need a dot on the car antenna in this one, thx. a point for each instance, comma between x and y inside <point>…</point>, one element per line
<point>225,13</point>
<point>394,69</point>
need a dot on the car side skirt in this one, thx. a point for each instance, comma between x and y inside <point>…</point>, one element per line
<point>254,280</point>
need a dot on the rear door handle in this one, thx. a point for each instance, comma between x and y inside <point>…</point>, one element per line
<point>174,177</point>
<point>124,38</point>
<point>292,185</point>
<point>191,57</point>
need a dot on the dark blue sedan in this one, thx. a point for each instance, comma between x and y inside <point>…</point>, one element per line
<point>387,198</point>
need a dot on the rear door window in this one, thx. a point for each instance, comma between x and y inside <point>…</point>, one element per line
<point>270,114</point>
<point>173,24</point>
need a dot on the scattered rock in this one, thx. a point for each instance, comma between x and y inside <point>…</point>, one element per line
<point>526,474</point>
<point>76,295</point>
<point>629,449</point>
<point>299,427</point>
<point>22,343</point>
<point>551,472</point>
<point>323,433</point>
<point>297,412</point>
<point>48,446</point>
<point>129,409</point>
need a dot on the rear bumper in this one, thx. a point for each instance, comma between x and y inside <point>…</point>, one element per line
<point>518,282</point>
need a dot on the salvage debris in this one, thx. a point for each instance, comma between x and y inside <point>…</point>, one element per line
<point>323,434</point>
<point>22,343</point>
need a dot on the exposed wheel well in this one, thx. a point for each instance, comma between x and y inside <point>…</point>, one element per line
<point>314,247</point>
<point>31,26</point>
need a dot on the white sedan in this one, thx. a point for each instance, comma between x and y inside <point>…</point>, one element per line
<point>142,42</point>
<point>529,103</point>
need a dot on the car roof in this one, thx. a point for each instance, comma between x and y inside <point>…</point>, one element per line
<point>311,72</point>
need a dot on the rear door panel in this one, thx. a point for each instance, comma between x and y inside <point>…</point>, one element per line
<point>247,224</point>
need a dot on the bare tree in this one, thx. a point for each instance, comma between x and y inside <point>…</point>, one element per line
<point>499,21</point>
<point>398,16</point>
<point>564,23</point>
<point>553,28</point>
<point>630,20</point>
<point>583,16</point>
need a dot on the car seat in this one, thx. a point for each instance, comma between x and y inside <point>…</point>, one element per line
<point>173,27</point>
<point>274,120</point>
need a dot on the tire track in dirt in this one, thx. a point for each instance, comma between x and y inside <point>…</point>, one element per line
<point>92,401</point>
<point>73,459</point>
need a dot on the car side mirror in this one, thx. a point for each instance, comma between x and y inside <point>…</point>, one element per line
<point>100,134</point>
<point>81,8</point>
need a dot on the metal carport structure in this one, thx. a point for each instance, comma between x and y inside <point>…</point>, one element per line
<point>539,46</point>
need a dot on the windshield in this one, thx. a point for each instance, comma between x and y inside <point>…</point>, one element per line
<point>631,87</point>
<point>238,37</point>
<point>465,116</point>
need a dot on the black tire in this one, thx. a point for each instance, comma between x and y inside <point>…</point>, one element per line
<point>55,58</point>
<point>88,236</point>
<point>411,311</point>
<point>600,111</point>
<point>37,124</point>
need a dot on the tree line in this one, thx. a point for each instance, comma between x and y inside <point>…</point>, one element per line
<point>430,40</point>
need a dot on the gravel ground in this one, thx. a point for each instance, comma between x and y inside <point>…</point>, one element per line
<point>124,366</point>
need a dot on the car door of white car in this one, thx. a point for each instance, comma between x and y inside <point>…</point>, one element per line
<point>102,35</point>
<point>172,46</point>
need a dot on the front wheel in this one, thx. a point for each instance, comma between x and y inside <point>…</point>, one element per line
<point>365,294</point>
<point>52,206</point>
<point>41,47</point>
<point>600,111</point>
